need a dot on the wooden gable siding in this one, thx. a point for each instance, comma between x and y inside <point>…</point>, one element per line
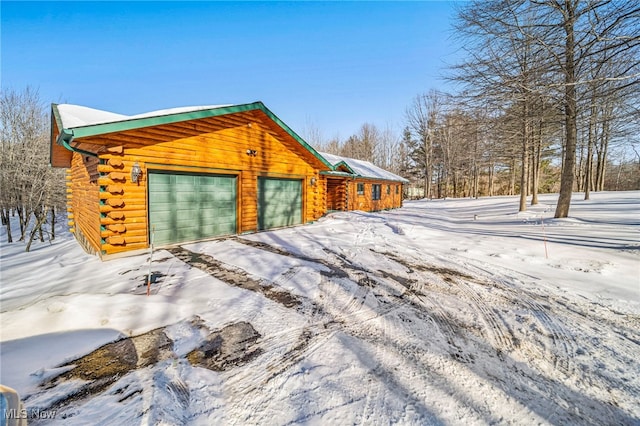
<point>215,145</point>
<point>59,156</point>
<point>365,202</point>
<point>279,133</point>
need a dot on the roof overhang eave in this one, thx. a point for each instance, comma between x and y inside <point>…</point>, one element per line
<point>337,173</point>
<point>65,137</point>
<point>137,123</point>
<point>357,176</point>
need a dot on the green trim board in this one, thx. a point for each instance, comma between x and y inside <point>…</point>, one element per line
<point>344,164</point>
<point>68,146</point>
<point>337,174</point>
<point>137,123</point>
<point>56,116</point>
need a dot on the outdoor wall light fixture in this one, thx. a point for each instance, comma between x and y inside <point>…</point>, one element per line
<point>136,172</point>
<point>252,152</point>
<point>313,181</point>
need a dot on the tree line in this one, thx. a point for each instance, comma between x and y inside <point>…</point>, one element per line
<point>547,102</point>
<point>30,189</point>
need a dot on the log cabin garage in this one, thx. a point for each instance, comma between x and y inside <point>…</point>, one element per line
<point>188,174</point>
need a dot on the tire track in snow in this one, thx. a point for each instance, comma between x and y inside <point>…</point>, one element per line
<point>589,341</point>
<point>562,341</point>
<point>499,330</point>
<point>388,386</point>
<point>367,306</point>
<point>313,336</point>
<point>375,395</point>
<point>396,316</point>
<point>443,321</point>
<point>485,297</point>
<point>258,387</point>
<point>555,345</point>
<point>560,338</point>
<point>383,307</point>
<point>170,395</point>
<point>355,314</point>
<point>496,328</point>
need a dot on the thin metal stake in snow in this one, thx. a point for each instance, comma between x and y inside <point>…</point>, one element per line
<point>153,231</point>
<point>544,238</point>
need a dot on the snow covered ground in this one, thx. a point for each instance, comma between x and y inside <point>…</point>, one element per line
<point>442,312</point>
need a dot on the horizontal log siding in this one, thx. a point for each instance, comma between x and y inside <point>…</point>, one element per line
<point>215,145</point>
<point>336,194</point>
<point>365,202</point>
<point>82,202</point>
<point>248,209</point>
<point>320,201</point>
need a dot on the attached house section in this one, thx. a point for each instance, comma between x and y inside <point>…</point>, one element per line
<point>359,185</point>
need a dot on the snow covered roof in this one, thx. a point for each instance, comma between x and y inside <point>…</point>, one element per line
<point>362,168</point>
<point>75,121</point>
<point>73,116</point>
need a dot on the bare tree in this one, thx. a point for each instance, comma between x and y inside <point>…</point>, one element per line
<point>313,135</point>
<point>521,52</point>
<point>504,66</point>
<point>422,117</point>
<point>592,30</point>
<point>29,187</point>
<point>364,145</point>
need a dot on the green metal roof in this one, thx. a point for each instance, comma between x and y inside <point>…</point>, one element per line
<point>344,164</point>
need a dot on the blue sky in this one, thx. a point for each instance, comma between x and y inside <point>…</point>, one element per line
<point>328,65</point>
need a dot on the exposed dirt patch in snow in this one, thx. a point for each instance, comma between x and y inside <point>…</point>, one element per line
<point>96,371</point>
<point>333,270</point>
<point>231,346</point>
<point>234,277</point>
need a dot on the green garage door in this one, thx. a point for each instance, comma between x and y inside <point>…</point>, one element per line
<point>185,207</point>
<point>279,202</point>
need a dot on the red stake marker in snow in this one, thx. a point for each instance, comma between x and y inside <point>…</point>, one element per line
<point>153,231</point>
